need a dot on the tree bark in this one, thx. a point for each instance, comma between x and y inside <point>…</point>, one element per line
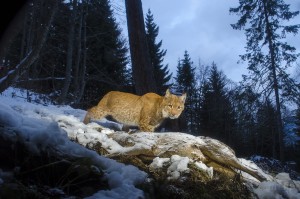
<point>82,80</point>
<point>143,71</point>
<point>69,63</point>
<point>25,30</point>
<point>78,56</point>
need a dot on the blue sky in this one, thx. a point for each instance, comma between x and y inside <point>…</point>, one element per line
<point>202,27</point>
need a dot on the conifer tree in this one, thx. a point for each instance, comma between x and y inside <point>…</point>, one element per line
<point>216,115</point>
<point>297,154</point>
<point>15,63</point>
<point>298,123</point>
<point>96,50</point>
<point>186,82</point>
<point>245,102</point>
<point>185,77</point>
<point>161,72</point>
<point>106,55</point>
<point>266,52</point>
<point>266,142</point>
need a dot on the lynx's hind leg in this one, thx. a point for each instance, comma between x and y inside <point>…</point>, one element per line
<point>95,112</point>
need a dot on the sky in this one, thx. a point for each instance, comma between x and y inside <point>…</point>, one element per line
<point>46,127</point>
<point>202,27</point>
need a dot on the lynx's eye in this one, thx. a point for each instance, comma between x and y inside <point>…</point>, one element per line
<point>170,106</point>
<point>179,107</point>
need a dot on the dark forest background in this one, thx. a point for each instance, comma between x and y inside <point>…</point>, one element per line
<point>78,53</point>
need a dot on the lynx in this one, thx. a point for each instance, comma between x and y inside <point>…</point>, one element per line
<point>146,112</point>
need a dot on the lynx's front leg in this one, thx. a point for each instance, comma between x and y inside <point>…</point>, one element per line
<point>144,124</point>
<point>146,128</point>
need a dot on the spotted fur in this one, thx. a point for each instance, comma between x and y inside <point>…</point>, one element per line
<point>147,111</point>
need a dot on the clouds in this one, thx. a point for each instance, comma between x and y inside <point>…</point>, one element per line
<point>203,29</point>
<point>187,13</point>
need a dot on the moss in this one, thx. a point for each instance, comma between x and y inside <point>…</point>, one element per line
<point>190,188</point>
<point>192,185</point>
<point>98,148</point>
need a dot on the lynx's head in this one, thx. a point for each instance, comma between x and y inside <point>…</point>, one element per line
<point>172,105</point>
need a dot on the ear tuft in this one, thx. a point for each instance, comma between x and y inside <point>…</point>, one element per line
<point>168,93</point>
<point>183,97</point>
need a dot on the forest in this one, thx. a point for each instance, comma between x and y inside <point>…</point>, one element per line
<point>75,52</point>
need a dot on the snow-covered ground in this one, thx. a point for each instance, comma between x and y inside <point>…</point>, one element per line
<point>38,124</point>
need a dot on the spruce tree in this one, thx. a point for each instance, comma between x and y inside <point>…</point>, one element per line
<point>25,47</point>
<point>161,72</point>
<point>186,82</point>
<point>298,123</point>
<point>267,53</point>
<point>297,154</point>
<point>106,55</point>
<point>101,62</point>
<point>185,77</point>
<point>216,114</point>
<point>245,103</point>
<point>266,142</point>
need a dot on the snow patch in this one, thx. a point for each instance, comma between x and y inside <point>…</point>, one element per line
<point>206,169</point>
<point>179,165</point>
<point>159,162</point>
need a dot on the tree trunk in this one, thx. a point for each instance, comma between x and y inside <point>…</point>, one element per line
<point>78,56</point>
<point>275,85</point>
<point>12,75</point>
<point>68,73</point>
<point>25,30</point>
<point>83,67</point>
<point>143,71</point>
<point>11,30</point>
<point>278,113</point>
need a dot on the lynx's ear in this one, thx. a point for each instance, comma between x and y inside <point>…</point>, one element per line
<point>183,97</point>
<point>168,93</point>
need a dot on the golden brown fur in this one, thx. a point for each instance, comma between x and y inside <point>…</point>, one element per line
<point>147,111</point>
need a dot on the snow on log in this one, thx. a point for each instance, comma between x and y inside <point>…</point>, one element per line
<point>141,149</point>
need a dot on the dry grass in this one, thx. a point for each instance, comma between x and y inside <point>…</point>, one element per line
<point>41,175</point>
